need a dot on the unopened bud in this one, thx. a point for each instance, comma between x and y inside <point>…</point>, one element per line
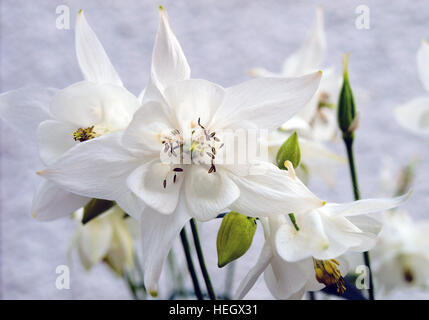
<point>289,151</point>
<point>346,104</point>
<point>234,237</point>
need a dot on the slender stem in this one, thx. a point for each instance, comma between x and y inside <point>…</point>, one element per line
<point>312,295</point>
<point>191,267</point>
<point>349,146</point>
<point>200,255</point>
<point>131,286</point>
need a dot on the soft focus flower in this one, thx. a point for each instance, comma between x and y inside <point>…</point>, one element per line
<point>60,119</point>
<point>316,123</point>
<point>107,238</point>
<point>414,115</point>
<point>318,235</point>
<point>168,157</point>
<point>401,256</point>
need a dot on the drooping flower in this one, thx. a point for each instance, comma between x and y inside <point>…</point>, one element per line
<point>170,156</point>
<point>300,246</point>
<point>60,119</point>
<point>107,238</point>
<point>414,115</point>
<point>401,256</point>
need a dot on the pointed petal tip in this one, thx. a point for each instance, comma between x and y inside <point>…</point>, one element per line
<point>80,12</point>
<point>153,293</point>
<point>161,8</point>
<point>41,172</point>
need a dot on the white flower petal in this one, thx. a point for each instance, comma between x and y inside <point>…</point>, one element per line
<point>94,241</point>
<point>272,192</point>
<point>143,133</point>
<point>414,115</point>
<point>85,104</point>
<point>266,102</point>
<point>158,232</point>
<point>93,60</point>
<point>423,63</point>
<point>192,100</point>
<point>207,194</point>
<point>294,245</point>
<point>52,202</point>
<point>312,52</point>
<point>24,109</point>
<point>365,206</point>
<point>54,138</point>
<point>169,63</point>
<point>98,168</point>
<point>287,280</point>
<point>147,182</point>
<point>248,282</point>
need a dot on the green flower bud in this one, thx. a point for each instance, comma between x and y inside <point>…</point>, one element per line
<point>234,237</point>
<point>346,104</point>
<point>94,208</point>
<point>289,151</point>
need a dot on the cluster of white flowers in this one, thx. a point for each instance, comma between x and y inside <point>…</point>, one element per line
<point>158,157</point>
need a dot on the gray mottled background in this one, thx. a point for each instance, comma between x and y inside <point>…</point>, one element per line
<point>222,40</point>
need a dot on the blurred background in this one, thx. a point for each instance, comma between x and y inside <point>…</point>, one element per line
<point>222,41</point>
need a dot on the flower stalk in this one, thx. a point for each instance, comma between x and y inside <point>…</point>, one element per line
<point>348,121</point>
<point>191,267</point>
<point>200,255</point>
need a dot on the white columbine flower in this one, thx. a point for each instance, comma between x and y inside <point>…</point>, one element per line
<point>300,246</point>
<point>401,256</point>
<point>108,238</point>
<point>414,115</point>
<point>169,155</point>
<point>60,119</point>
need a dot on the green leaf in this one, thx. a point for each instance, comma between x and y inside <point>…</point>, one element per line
<point>94,208</point>
<point>234,237</point>
<point>289,150</point>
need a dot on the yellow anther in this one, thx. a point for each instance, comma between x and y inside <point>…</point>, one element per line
<point>84,134</point>
<point>327,273</point>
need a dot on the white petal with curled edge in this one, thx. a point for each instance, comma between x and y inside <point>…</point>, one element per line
<point>273,192</point>
<point>207,194</point>
<point>169,63</point>
<point>423,63</point>
<point>266,102</point>
<point>52,202</point>
<point>98,168</point>
<point>312,52</point>
<point>25,108</point>
<point>158,232</point>
<point>147,182</point>
<point>53,139</point>
<point>93,60</point>
<point>414,115</point>
<point>359,207</point>
<point>248,282</point>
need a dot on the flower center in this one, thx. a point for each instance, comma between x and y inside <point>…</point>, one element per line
<point>327,273</point>
<point>89,133</point>
<point>198,146</point>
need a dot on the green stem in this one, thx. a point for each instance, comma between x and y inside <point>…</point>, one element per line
<point>191,267</point>
<point>348,140</point>
<point>200,255</point>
